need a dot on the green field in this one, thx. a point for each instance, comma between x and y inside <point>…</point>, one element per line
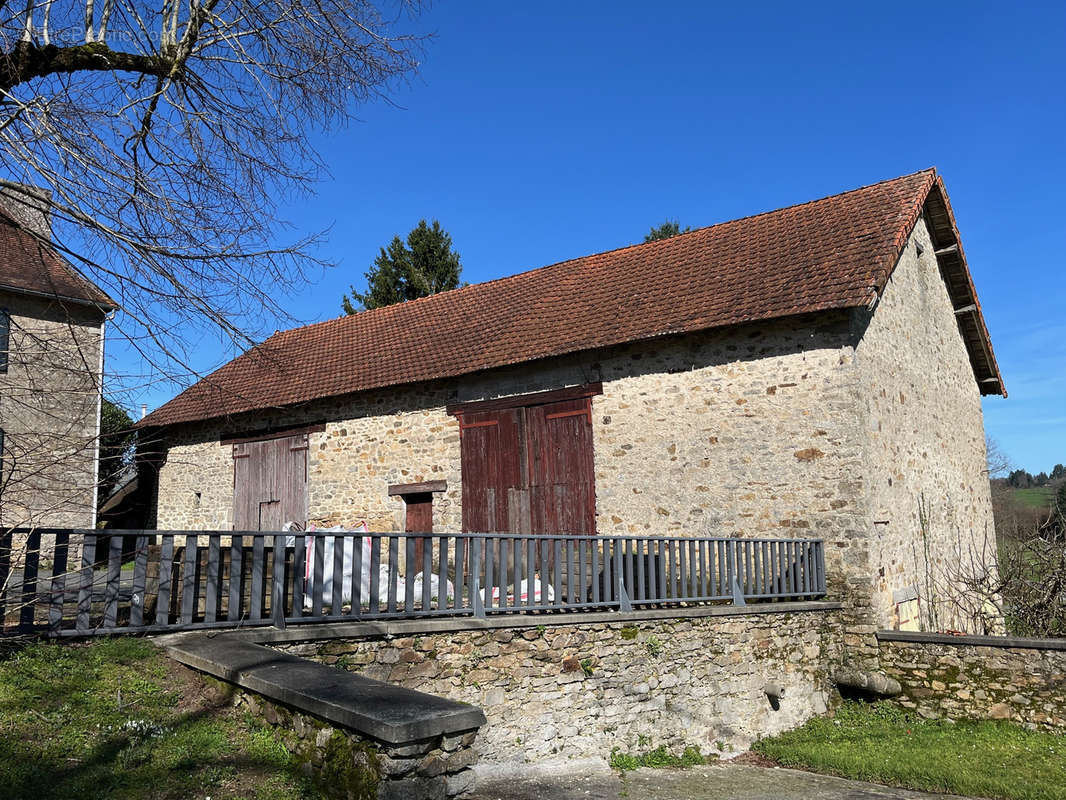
<point>1037,497</point>
<point>884,744</point>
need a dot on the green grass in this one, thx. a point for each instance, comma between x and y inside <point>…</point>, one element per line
<point>113,719</point>
<point>658,758</point>
<point>1037,497</point>
<point>884,744</point>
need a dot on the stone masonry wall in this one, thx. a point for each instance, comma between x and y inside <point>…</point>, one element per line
<point>562,692</point>
<point>928,499</point>
<point>947,679</point>
<point>345,765</point>
<point>371,440</point>
<point>750,431</point>
<point>49,400</point>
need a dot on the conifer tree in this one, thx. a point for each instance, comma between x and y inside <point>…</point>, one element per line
<point>423,265</point>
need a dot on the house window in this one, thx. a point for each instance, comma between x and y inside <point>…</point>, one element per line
<point>5,335</point>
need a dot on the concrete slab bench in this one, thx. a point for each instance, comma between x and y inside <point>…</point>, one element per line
<point>390,714</point>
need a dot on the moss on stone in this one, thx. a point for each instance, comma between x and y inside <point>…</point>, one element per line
<point>350,770</point>
<point>630,632</point>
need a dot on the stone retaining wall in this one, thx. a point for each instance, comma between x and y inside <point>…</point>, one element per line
<point>581,690</point>
<point>346,766</point>
<point>979,677</point>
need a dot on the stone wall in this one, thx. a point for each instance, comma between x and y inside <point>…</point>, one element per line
<point>745,432</point>
<point>345,765</point>
<point>981,677</point>
<point>571,691</point>
<point>49,402</point>
<point>370,441</point>
<point>928,503</point>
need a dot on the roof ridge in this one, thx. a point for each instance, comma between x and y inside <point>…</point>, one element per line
<point>623,248</point>
<point>822,254</point>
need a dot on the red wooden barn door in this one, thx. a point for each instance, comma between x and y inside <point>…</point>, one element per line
<point>529,469</point>
<point>269,483</point>
<point>562,478</point>
<point>494,478</point>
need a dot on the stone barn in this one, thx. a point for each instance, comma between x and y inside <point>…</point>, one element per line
<point>814,371</point>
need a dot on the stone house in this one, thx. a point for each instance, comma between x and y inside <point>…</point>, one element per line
<point>811,371</point>
<point>51,360</point>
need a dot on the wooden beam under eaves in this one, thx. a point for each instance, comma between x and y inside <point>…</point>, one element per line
<point>965,309</point>
<point>943,251</point>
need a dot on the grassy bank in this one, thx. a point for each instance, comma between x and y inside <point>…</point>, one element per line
<point>115,719</point>
<point>884,744</point>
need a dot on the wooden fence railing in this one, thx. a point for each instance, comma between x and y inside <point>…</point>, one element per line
<point>82,582</point>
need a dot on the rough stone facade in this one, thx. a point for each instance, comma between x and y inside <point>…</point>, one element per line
<point>928,504</point>
<point>744,432</point>
<point>49,412</point>
<point>828,425</point>
<point>345,765</point>
<point>562,692</point>
<point>981,678</point>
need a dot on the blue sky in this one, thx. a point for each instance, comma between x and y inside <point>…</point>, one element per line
<point>542,131</point>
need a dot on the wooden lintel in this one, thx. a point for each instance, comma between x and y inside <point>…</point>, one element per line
<point>240,437</point>
<point>425,487</point>
<point>524,400</point>
<point>951,248</point>
<point>966,309</point>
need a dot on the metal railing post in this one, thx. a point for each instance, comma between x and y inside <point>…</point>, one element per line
<point>734,584</point>
<point>277,586</point>
<point>623,596</point>
<point>475,579</point>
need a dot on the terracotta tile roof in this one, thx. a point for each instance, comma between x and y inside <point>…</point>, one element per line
<point>26,265</point>
<point>827,254</point>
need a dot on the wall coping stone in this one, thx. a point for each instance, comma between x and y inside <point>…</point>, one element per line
<point>387,713</point>
<point>971,641</point>
<point>413,627</point>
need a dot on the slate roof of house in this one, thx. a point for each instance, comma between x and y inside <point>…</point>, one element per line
<point>833,253</point>
<point>27,265</point>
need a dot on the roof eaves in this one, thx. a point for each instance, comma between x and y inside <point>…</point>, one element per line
<point>957,274</point>
<point>110,305</point>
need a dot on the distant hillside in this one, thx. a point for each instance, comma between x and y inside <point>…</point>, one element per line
<point>1038,497</point>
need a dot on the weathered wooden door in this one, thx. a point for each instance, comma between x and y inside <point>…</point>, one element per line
<point>562,479</point>
<point>419,520</point>
<point>494,477</point>
<point>270,483</point>
<point>529,469</point>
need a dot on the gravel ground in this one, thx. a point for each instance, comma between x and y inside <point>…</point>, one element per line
<point>714,782</point>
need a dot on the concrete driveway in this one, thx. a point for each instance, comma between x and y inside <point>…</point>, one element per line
<point>714,782</point>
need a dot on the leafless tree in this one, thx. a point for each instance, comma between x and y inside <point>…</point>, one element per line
<point>166,135</point>
<point>999,463</point>
<point>1014,582</point>
<point>168,132</point>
